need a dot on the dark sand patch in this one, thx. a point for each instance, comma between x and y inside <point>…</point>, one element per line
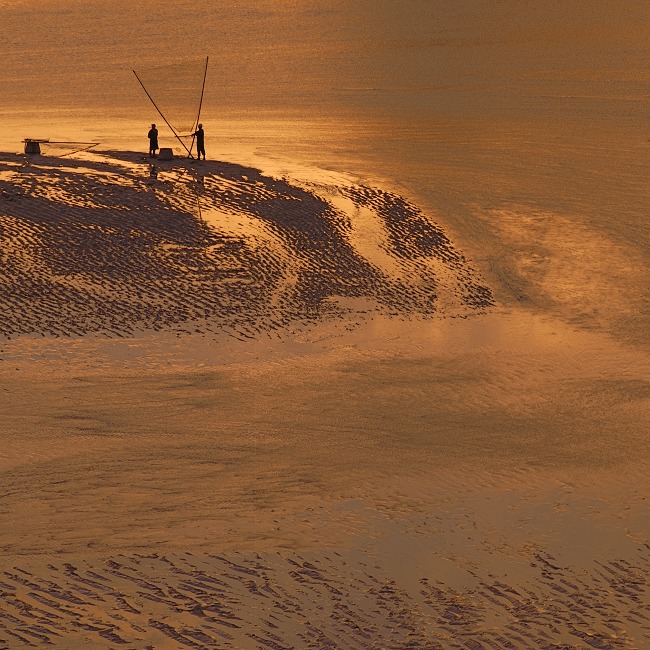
<point>119,246</point>
<point>327,600</point>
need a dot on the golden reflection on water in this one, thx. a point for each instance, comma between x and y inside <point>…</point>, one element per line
<point>501,454</point>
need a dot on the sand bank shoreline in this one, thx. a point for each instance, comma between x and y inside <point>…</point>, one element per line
<point>297,417</point>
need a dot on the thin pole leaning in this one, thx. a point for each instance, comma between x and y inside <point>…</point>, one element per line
<point>161,115</point>
<point>198,116</point>
<point>84,146</point>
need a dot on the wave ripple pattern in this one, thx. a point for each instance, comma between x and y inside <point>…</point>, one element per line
<point>209,601</point>
<point>114,246</point>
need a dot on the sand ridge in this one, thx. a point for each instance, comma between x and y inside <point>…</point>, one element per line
<point>114,244</point>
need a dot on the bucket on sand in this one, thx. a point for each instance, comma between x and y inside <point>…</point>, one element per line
<point>32,147</point>
<point>165,153</point>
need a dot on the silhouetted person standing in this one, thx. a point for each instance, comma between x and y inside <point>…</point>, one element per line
<point>200,142</point>
<point>153,141</point>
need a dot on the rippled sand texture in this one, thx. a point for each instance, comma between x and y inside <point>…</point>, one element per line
<point>189,601</point>
<point>114,246</point>
<point>428,471</point>
<point>281,409</point>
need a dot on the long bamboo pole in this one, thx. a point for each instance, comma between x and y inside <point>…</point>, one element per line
<point>198,116</point>
<point>161,115</point>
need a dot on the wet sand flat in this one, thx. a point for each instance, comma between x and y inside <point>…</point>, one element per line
<point>243,507</point>
<point>235,440</point>
<point>375,375</point>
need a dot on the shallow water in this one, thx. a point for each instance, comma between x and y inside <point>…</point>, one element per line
<point>521,130</point>
<point>503,451</point>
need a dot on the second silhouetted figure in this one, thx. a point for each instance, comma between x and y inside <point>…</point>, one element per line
<point>199,134</point>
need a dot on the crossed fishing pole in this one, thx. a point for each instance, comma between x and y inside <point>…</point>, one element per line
<point>198,117</point>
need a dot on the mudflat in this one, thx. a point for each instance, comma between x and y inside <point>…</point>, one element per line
<point>374,375</point>
<point>298,417</point>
